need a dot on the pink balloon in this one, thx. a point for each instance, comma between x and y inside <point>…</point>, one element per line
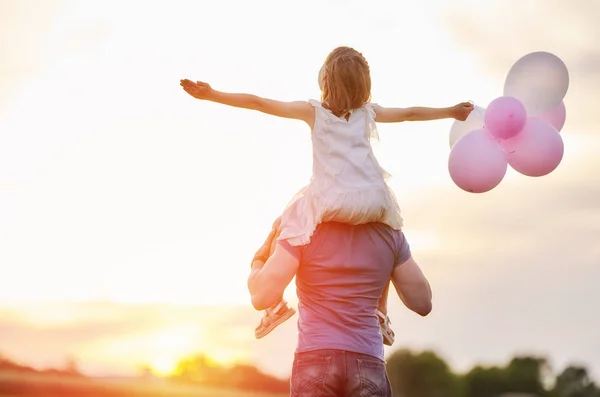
<point>505,117</point>
<point>556,116</point>
<point>537,150</point>
<point>477,162</point>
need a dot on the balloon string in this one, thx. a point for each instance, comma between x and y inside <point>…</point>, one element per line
<point>477,108</point>
<point>499,144</point>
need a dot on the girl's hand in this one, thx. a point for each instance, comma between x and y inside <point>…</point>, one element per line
<point>461,111</point>
<point>198,90</point>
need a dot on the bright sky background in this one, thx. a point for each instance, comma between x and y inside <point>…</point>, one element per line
<point>129,211</point>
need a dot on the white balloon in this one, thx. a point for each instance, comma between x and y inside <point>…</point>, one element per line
<point>539,80</point>
<point>461,128</point>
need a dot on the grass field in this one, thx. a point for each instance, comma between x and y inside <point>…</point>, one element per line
<point>19,385</point>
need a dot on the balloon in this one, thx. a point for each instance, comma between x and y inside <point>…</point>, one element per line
<point>537,150</point>
<point>461,128</point>
<point>477,163</point>
<point>505,117</point>
<point>539,80</point>
<point>556,116</point>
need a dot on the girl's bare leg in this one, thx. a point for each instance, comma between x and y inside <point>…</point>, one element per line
<point>279,312</point>
<point>266,250</point>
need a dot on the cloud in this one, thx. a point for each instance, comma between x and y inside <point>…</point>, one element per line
<point>118,337</point>
<point>56,329</point>
<point>36,35</point>
<point>23,33</point>
<point>498,33</point>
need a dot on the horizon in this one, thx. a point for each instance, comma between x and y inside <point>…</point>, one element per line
<point>111,370</point>
<point>119,193</point>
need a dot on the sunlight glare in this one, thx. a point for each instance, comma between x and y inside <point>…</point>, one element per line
<point>164,365</point>
<point>227,357</point>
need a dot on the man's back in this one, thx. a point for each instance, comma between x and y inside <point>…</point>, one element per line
<point>341,276</point>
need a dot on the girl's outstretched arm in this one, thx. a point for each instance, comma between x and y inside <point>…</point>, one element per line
<point>396,115</point>
<point>299,110</point>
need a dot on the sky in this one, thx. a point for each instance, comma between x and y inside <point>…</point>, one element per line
<point>129,211</point>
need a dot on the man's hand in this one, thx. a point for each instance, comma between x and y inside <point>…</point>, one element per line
<point>198,90</point>
<point>461,111</point>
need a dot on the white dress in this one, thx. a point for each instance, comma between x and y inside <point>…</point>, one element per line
<point>347,185</point>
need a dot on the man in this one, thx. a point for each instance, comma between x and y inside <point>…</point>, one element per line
<point>340,276</point>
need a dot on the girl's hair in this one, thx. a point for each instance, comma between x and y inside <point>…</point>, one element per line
<point>345,81</point>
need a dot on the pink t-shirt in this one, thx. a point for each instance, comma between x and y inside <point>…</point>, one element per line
<point>342,274</point>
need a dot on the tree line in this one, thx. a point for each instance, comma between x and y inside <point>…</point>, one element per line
<point>426,374</point>
<point>411,374</point>
<point>420,374</point>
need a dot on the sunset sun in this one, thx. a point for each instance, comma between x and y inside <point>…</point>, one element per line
<point>164,365</point>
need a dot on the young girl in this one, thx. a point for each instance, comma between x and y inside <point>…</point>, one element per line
<point>347,185</point>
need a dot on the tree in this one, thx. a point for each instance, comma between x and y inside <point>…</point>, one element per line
<point>525,375</point>
<point>521,375</point>
<point>200,369</point>
<point>485,382</point>
<point>422,374</point>
<point>574,381</point>
<point>71,366</point>
<point>146,371</point>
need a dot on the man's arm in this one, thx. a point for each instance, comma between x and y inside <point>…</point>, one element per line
<point>412,287</point>
<point>267,282</point>
<point>397,115</point>
<point>299,110</point>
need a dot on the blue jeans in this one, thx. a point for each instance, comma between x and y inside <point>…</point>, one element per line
<point>332,373</point>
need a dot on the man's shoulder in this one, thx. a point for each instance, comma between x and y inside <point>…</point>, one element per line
<point>349,227</point>
<point>332,238</point>
<point>366,230</point>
